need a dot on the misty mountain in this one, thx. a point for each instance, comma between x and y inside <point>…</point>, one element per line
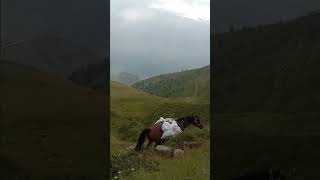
<point>55,36</point>
<point>189,83</point>
<point>57,54</point>
<point>125,78</point>
<point>268,68</point>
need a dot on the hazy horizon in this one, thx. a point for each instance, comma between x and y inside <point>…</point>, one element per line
<point>152,37</point>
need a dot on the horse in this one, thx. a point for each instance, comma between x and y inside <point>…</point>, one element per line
<point>154,133</point>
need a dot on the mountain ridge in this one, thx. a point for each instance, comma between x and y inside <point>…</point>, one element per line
<point>192,83</point>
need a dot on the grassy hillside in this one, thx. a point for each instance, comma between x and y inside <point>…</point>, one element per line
<point>266,99</point>
<point>193,83</point>
<point>249,142</point>
<point>268,68</point>
<point>133,110</point>
<point>49,126</point>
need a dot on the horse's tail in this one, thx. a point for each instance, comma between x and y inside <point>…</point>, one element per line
<point>141,139</point>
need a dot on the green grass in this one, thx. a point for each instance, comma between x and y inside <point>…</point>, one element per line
<point>195,164</point>
<point>36,104</point>
<point>133,110</point>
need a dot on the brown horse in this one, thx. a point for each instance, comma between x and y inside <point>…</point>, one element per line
<point>154,133</point>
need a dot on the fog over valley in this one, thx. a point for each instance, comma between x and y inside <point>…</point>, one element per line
<point>152,37</point>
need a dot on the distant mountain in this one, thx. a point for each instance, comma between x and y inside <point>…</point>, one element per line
<point>53,53</point>
<point>189,83</point>
<point>268,68</point>
<point>125,78</point>
<point>55,36</point>
<point>95,76</point>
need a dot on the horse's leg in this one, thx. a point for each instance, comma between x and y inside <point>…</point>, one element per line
<point>149,144</point>
<point>160,142</point>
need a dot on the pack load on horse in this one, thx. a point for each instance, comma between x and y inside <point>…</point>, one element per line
<point>169,127</point>
<point>155,133</point>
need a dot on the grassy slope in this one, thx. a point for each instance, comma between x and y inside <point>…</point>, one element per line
<point>39,114</point>
<point>271,71</point>
<point>188,83</point>
<point>268,68</point>
<point>194,165</point>
<point>247,142</point>
<point>133,110</point>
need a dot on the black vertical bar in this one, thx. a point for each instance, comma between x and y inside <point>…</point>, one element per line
<point>0,30</point>
<point>108,93</point>
<point>212,129</point>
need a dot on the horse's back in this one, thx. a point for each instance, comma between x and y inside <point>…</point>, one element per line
<point>155,132</point>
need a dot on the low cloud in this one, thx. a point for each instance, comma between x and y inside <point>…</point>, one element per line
<point>150,38</point>
<point>198,10</point>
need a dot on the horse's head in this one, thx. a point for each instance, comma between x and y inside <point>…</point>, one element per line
<point>196,121</point>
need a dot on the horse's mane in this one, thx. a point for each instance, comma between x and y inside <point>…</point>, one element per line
<point>184,121</point>
<point>186,118</point>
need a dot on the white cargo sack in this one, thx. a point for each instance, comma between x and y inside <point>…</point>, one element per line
<point>169,127</point>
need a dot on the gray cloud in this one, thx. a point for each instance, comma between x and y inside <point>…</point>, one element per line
<point>227,13</point>
<point>147,41</point>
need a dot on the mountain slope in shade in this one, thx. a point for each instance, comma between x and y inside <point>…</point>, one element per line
<point>58,54</point>
<point>268,68</point>
<point>94,76</point>
<point>190,83</point>
<point>266,98</point>
<point>54,120</point>
<point>55,36</point>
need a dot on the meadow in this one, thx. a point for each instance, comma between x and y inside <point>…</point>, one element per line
<point>50,128</point>
<point>133,110</point>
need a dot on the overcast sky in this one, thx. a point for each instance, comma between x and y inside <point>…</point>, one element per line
<point>227,13</point>
<point>151,37</point>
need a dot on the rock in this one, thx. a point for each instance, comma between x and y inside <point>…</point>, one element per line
<point>191,144</point>
<point>178,152</point>
<point>164,150</point>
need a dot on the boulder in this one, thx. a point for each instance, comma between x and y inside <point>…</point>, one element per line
<point>164,150</point>
<point>178,152</point>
